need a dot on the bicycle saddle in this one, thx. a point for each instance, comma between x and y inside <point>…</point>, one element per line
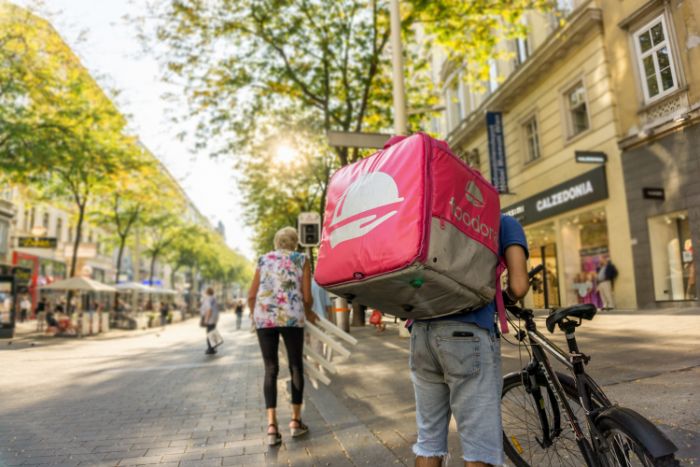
<point>586,311</point>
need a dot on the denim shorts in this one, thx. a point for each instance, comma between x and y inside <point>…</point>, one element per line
<point>457,375</point>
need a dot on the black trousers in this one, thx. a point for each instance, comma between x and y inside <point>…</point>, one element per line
<point>210,327</point>
<point>269,345</point>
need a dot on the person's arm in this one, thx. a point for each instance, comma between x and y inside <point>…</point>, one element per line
<point>207,309</point>
<point>306,293</point>
<point>516,262</point>
<point>253,291</point>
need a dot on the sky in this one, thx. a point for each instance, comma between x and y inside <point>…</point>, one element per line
<point>110,50</point>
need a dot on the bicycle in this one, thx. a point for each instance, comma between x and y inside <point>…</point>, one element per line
<point>545,411</point>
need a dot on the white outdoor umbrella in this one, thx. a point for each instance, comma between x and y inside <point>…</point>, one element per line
<point>163,291</point>
<point>81,284</point>
<point>133,287</point>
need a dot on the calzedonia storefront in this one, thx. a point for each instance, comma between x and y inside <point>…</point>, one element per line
<point>567,231</point>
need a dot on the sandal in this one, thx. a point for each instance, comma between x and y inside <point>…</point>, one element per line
<point>274,438</point>
<point>300,430</point>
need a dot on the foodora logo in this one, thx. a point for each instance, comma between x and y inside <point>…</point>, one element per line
<point>473,195</point>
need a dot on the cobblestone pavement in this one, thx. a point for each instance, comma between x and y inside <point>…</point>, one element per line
<point>155,398</point>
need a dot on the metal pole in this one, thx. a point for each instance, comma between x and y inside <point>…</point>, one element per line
<point>400,122</point>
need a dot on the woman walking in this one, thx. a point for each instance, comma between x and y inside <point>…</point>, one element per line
<point>280,297</point>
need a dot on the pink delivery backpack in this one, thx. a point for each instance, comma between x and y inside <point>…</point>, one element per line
<point>412,231</point>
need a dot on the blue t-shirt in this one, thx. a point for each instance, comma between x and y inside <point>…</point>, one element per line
<point>510,233</point>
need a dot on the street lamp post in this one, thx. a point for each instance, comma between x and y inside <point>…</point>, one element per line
<point>400,120</point>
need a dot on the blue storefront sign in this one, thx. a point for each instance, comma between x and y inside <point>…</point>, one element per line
<point>497,151</point>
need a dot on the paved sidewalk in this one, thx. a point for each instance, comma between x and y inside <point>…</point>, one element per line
<point>155,399</point>
<point>647,361</point>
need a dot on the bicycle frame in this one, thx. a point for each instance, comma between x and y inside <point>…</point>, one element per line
<point>574,361</point>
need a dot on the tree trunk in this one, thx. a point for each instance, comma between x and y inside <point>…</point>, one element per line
<point>153,268</point>
<point>74,258</point>
<point>150,278</point>
<point>78,234</point>
<point>120,255</point>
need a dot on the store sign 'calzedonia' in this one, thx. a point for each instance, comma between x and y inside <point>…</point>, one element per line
<point>575,193</point>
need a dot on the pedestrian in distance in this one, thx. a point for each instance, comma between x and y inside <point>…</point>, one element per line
<point>164,311</point>
<point>455,364</point>
<point>607,273</point>
<point>239,313</point>
<point>42,306</point>
<point>24,307</point>
<point>280,300</point>
<point>209,312</point>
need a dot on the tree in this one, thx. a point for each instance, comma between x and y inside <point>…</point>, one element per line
<point>162,229</point>
<point>244,61</point>
<point>470,31</point>
<point>135,193</point>
<point>313,64</point>
<point>276,191</point>
<point>58,131</point>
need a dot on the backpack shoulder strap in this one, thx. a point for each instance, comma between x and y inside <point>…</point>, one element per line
<point>500,305</point>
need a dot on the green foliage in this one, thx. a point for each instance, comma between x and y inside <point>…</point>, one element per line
<point>470,31</point>
<point>259,73</point>
<point>58,131</point>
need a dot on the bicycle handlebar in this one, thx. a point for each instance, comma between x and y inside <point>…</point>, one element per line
<point>534,271</point>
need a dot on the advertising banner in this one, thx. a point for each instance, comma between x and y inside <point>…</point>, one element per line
<point>497,151</point>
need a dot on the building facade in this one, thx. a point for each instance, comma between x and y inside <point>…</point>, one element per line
<point>550,111</point>
<point>654,54</point>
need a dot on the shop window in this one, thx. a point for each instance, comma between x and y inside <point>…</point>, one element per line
<point>542,245</point>
<point>46,220</point>
<point>577,110</point>
<point>585,244</point>
<point>532,140</point>
<point>655,59</point>
<point>672,259</point>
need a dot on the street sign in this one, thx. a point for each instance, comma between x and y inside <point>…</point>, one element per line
<point>591,157</point>
<point>309,229</point>
<point>497,151</point>
<point>349,139</point>
<point>654,193</point>
<point>37,242</point>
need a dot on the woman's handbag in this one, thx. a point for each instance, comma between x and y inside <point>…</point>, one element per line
<point>375,318</point>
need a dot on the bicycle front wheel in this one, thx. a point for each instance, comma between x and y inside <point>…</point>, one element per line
<point>524,428</point>
<point>626,450</point>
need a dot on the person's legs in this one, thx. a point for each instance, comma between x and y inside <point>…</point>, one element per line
<point>432,400</point>
<point>269,345</point>
<point>210,349</point>
<point>605,289</point>
<point>472,366</point>
<point>294,343</point>
<point>239,318</point>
